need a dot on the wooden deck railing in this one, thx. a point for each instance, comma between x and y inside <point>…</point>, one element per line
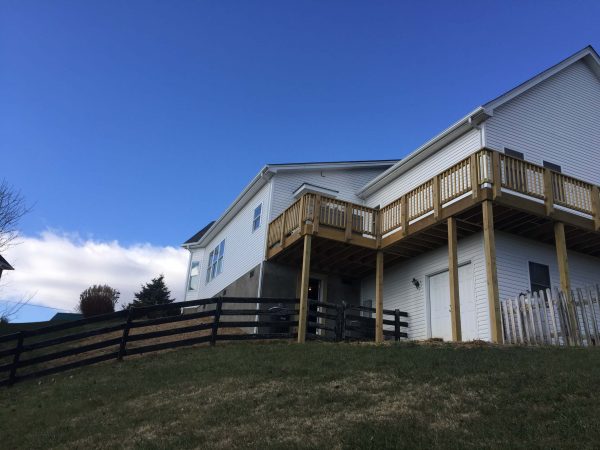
<point>483,169</point>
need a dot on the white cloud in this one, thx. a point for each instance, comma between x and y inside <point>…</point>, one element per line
<point>57,267</point>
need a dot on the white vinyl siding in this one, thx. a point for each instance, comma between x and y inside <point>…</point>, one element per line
<point>244,248</point>
<point>557,121</point>
<point>444,158</point>
<point>399,291</point>
<point>513,254</point>
<point>347,182</point>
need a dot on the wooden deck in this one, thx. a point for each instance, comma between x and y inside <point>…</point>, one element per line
<point>527,200</point>
<point>487,191</point>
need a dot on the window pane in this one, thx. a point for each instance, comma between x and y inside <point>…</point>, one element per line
<point>215,261</point>
<point>195,268</point>
<point>194,276</point>
<point>513,153</point>
<point>539,276</point>
<point>193,283</point>
<point>208,268</point>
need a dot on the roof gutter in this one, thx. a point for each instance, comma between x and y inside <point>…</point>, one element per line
<point>470,121</point>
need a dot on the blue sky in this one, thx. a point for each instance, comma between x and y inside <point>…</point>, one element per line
<point>140,121</point>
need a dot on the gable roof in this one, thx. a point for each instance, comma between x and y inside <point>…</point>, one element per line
<point>263,177</point>
<point>199,234</point>
<point>4,265</point>
<point>474,118</point>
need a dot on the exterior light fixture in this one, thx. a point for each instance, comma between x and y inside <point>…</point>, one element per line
<point>416,283</point>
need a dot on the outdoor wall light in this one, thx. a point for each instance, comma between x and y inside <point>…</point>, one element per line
<point>416,283</point>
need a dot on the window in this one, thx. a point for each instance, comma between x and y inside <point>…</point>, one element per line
<point>215,261</point>
<point>539,277</point>
<point>513,153</point>
<point>194,276</point>
<point>256,220</point>
<point>552,166</point>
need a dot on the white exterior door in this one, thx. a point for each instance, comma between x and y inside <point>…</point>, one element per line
<point>439,305</point>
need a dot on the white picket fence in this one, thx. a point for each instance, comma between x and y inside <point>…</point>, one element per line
<point>552,318</point>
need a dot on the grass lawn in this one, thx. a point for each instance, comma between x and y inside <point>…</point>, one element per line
<point>318,395</point>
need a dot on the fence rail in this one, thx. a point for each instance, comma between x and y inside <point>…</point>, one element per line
<point>552,317</point>
<point>64,346</point>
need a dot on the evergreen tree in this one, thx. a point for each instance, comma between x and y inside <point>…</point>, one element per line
<point>153,293</point>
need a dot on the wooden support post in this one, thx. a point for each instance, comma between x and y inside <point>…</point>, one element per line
<point>404,215</point>
<point>348,209</point>
<point>453,278</point>
<point>305,275</point>
<point>379,297</point>
<point>316,214</point>
<point>548,192</point>
<point>282,237</point>
<point>596,207</point>
<point>437,198</point>
<point>563,270</point>
<point>489,244</point>
<point>474,175</point>
<point>496,175</point>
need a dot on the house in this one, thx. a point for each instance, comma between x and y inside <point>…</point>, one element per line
<point>4,265</point>
<point>504,201</point>
<point>66,317</point>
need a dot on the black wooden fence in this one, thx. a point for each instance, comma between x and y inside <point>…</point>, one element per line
<point>55,348</point>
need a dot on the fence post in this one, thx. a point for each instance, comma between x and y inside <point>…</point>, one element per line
<point>397,325</point>
<point>123,345</point>
<point>18,349</point>
<point>338,323</point>
<point>217,318</point>
<point>343,324</point>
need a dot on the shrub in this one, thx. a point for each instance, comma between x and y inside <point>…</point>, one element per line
<point>97,300</point>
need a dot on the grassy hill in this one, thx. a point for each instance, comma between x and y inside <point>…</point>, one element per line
<point>318,395</point>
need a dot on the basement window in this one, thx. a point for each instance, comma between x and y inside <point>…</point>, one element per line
<point>539,277</point>
<point>514,153</point>
<point>552,166</point>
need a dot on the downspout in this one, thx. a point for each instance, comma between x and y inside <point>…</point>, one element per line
<point>267,214</point>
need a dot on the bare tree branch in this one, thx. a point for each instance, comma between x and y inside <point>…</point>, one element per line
<point>11,309</point>
<point>12,209</point>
